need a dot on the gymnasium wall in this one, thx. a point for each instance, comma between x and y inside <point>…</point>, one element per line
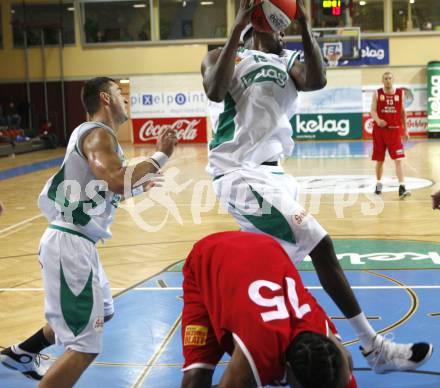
<point>408,58</point>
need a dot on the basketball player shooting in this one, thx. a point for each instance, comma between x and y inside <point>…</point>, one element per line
<point>252,92</point>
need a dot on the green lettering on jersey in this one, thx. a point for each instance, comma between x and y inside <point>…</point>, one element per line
<point>260,58</point>
<point>226,125</point>
<point>267,73</point>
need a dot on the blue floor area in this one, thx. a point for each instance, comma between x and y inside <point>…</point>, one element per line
<point>142,344</point>
<point>26,169</point>
<point>302,150</point>
<point>337,149</point>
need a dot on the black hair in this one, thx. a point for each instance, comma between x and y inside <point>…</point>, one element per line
<point>90,93</point>
<point>315,360</point>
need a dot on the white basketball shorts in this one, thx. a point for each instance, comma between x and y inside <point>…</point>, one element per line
<point>264,200</point>
<point>77,292</point>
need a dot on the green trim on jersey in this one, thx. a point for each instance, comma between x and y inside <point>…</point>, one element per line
<point>271,221</point>
<point>76,309</point>
<point>226,124</point>
<point>74,232</point>
<point>292,60</point>
<point>266,73</point>
<point>72,211</point>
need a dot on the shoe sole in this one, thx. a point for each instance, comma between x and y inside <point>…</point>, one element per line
<point>29,374</point>
<point>418,365</point>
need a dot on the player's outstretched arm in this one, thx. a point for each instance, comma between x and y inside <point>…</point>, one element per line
<point>99,147</point>
<point>218,65</point>
<point>310,75</point>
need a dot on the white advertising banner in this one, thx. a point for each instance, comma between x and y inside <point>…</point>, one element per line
<point>168,95</point>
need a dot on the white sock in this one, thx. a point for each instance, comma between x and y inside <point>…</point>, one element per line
<point>364,330</point>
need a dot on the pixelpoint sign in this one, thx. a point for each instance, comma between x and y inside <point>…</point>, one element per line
<point>179,98</point>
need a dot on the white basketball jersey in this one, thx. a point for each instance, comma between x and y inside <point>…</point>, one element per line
<point>252,124</point>
<point>74,197</point>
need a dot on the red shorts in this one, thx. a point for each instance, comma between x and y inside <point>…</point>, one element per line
<point>383,139</point>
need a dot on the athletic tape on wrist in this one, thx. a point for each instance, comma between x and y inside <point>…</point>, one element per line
<point>137,191</point>
<point>160,158</point>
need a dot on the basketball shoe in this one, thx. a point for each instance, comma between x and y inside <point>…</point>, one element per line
<point>387,356</point>
<point>403,192</point>
<point>30,364</point>
<point>378,189</point>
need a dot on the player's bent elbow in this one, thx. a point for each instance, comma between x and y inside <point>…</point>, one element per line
<point>320,83</point>
<point>215,95</point>
<point>315,84</point>
<point>117,186</point>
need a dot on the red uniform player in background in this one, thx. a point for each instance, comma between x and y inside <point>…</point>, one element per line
<point>388,112</point>
<point>243,295</point>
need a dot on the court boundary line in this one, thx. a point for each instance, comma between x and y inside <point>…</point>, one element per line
<point>20,223</point>
<point>414,303</point>
<point>151,362</point>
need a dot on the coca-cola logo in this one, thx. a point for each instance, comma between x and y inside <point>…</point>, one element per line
<point>185,129</point>
<point>369,124</point>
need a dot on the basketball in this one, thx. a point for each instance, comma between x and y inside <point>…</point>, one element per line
<point>274,15</point>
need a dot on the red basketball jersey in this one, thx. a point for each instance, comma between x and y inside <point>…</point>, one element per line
<point>254,294</point>
<point>389,107</point>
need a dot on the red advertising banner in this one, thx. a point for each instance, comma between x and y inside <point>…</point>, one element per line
<point>188,129</point>
<point>417,124</point>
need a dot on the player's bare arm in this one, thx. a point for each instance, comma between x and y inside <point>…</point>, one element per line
<point>403,113</point>
<point>218,65</point>
<point>310,75</point>
<point>373,112</point>
<point>238,374</point>
<point>99,147</point>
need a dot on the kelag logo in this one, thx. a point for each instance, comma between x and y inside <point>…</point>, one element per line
<point>383,254</point>
<point>327,126</point>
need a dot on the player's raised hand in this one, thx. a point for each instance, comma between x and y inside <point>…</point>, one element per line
<point>301,12</point>
<point>245,11</point>
<point>436,200</point>
<point>166,141</point>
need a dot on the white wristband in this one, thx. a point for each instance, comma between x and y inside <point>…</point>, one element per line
<point>160,158</point>
<point>137,191</point>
